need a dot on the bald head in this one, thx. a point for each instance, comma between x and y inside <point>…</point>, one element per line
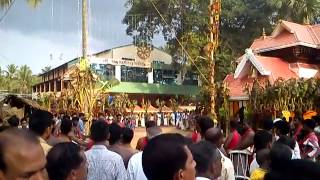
<point>27,161</point>
<point>215,136</point>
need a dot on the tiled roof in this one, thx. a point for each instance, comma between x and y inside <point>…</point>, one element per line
<point>278,67</point>
<point>288,34</point>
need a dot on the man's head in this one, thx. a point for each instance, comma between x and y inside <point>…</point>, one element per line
<point>81,116</point>
<point>24,123</point>
<point>115,133</point>
<point>208,159</point>
<point>21,156</point>
<point>309,125</point>
<point>215,136</point>
<point>167,157</point>
<point>66,126</point>
<point>99,131</point>
<point>150,124</point>
<point>127,135</point>
<point>153,131</point>
<point>66,161</point>
<point>203,124</point>
<point>262,139</point>
<point>263,158</point>
<point>13,121</point>
<point>41,123</point>
<point>282,128</point>
<point>280,155</point>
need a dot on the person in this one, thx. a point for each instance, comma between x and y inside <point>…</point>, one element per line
<point>41,123</point>
<point>135,170</point>
<point>66,161</point>
<point>13,121</point>
<point>81,124</point>
<point>262,140</point>
<point>102,163</point>
<point>263,159</point>
<point>123,147</point>
<point>247,137</point>
<point>208,160</point>
<point>168,157</point>
<point>203,124</point>
<point>26,162</point>
<point>215,136</point>
<point>24,123</point>
<point>310,146</point>
<point>282,128</point>
<point>280,156</point>
<point>143,141</point>
<point>233,139</point>
<point>115,132</point>
<point>65,128</point>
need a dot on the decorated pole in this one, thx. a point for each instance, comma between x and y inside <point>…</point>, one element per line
<point>214,13</point>
<point>84,29</point>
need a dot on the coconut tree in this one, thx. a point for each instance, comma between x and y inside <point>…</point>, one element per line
<point>131,105</point>
<point>11,74</point>
<point>7,3</point>
<point>160,104</point>
<point>24,76</point>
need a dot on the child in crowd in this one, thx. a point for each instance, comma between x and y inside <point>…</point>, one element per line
<point>263,159</point>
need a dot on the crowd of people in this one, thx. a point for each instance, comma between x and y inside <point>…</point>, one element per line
<point>56,148</point>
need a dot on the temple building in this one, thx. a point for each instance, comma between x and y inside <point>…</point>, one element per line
<point>291,51</point>
<point>142,73</point>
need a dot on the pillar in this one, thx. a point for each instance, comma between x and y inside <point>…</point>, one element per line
<point>55,85</point>
<point>49,86</point>
<point>118,72</point>
<point>62,84</point>
<point>150,77</point>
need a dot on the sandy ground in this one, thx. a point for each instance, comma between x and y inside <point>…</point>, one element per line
<point>141,132</point>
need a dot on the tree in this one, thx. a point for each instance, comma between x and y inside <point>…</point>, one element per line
<point>46,69</point>
<point>299,11</point>
<point>7,3</point>
<point>24,76</point>
<point>11,74</point>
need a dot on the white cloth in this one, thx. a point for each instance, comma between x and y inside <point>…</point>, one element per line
<point>104,164</point>
<point>227,171</point>
<point>202,178</point>
<point>296,152</point>
<point>135,170</point>
<point>254,165</point>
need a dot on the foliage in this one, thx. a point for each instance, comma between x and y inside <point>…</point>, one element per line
<point>120,103</point>
<point>31,3</point>
<point>17,79</point>
<point>291,95</point>
<point>45,69</point>
<point>174,105</point>
<point>132,104</point>
<point>160,104</point>
<point>145,105</point>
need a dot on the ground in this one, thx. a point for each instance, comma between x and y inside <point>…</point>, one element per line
<point>141,132</point>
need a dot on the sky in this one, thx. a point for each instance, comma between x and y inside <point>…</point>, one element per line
<point>50,35</point>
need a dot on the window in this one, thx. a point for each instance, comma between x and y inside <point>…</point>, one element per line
<point>134,74</point>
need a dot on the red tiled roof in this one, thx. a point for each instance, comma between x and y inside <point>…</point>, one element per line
<point>277,66</point>
<point>237,86</point>
<point>289,34</point>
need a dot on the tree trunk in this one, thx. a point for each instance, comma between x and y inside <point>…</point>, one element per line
<point>84,28</point>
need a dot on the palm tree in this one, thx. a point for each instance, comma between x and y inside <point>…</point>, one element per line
<point>46,69</point>
<point>11,73</point>
<point>7,3</point>
<point>24,78</point>
<point>160,104</point>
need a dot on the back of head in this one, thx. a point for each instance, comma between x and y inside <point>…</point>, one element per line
<point>280,156</point>
<point>153,131</point>
<point>13,121</point>
<point>164,156</point>
<point>263,155</point>
<point>282,127</point>
<point>99,131</point>
<point>214,135</point>
<point>62,159</point>
<point>205,154</point>
<point>40,121</point>
<point>234,124</point>
<point>204,123</point>
<point>115,133</point>
<point>267,124</point>
<point>262,139</point>
<point>150,124</point>
<point>13,137</point>
<point>309,123</point>
<point>66,126</point>
<point>127,135</point>
<point>287,141</point>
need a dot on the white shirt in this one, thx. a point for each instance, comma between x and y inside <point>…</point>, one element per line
<point>227,171</point>
<point>254,165</point>
<point>104,164</point>
<point>202,178</point>
<point>135,170</point>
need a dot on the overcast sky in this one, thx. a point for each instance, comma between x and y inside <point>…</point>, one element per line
<point>29,36</point>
